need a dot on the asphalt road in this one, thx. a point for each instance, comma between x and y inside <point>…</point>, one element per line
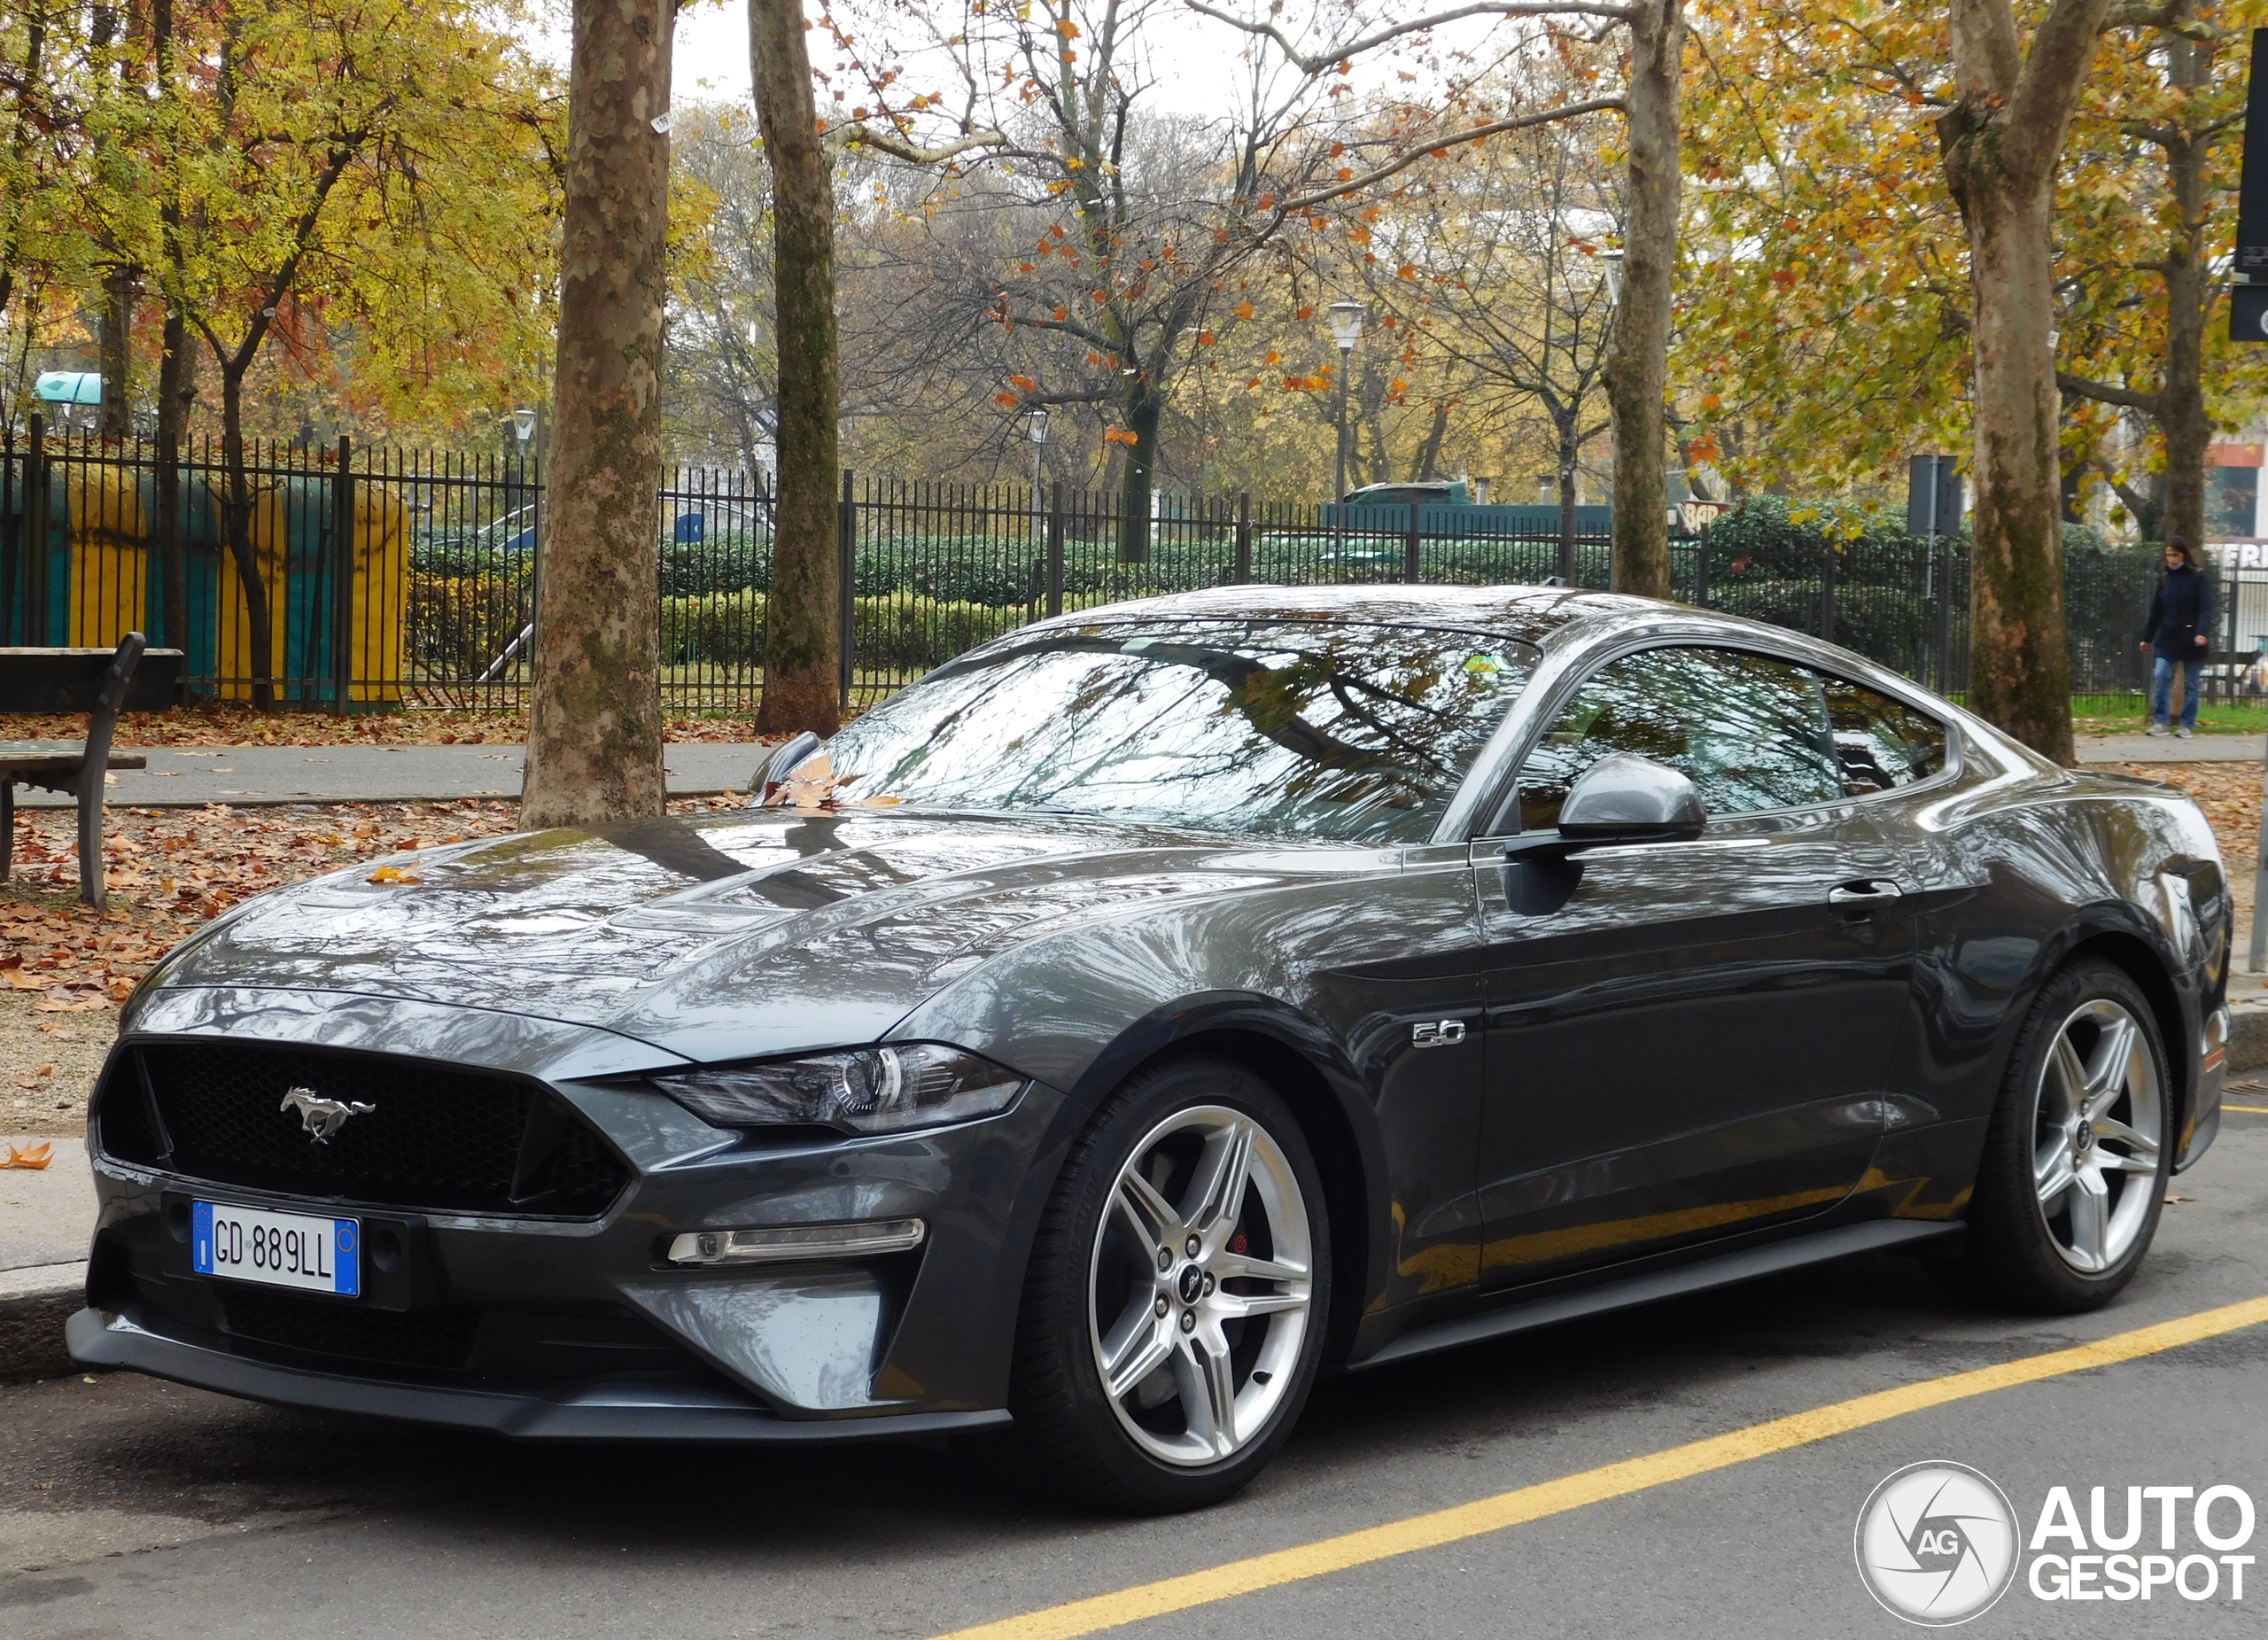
<point>132,1508</point>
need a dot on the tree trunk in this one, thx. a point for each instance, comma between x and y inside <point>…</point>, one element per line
<point>176,389</point>
<point>117,341</point>
<point>2000,142</point>
<point>1637,363</point>
<point>176,379</point>
<point>595,732</point>
<point>803,656</point>
<point>1143,408</point>
<point>1429,453</point>
<point>236,533</point>
<point>2182,422</point>
<point>1568,458</point>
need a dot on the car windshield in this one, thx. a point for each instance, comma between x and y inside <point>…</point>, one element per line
<point>1308,728</point>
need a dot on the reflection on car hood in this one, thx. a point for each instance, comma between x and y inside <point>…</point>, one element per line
<point>747,932</point>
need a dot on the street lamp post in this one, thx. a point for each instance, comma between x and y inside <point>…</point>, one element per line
<point>1036,429</point>
<point>1345,330</point>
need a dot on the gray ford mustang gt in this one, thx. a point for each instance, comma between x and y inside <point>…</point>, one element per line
<point>1159,1007</point>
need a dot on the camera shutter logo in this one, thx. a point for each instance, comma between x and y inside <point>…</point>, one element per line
<point>1937,1543</point>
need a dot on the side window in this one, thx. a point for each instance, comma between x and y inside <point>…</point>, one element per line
<point>1750,732</point>
<point>1880,743</point>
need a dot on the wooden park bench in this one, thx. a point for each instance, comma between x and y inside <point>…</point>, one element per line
<point>102,683</point>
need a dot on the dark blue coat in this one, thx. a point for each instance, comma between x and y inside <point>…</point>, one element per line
<point>2180,608</point>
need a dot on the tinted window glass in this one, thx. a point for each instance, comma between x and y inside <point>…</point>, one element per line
<point>1881,743</point>
<point>1750,732</point>
<point>1306,729</point>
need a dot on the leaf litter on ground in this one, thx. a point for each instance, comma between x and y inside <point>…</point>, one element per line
<point>170,871</point>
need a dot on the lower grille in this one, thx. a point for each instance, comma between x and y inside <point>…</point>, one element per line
<point>438,1340</point>
<point>434,1138</point>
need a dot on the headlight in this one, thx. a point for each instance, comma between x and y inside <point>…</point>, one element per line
<point>921,1085</point>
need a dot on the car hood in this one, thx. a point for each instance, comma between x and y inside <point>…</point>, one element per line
<point>720,936</point>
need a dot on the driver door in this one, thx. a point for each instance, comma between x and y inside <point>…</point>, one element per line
<point>1687,1042</point>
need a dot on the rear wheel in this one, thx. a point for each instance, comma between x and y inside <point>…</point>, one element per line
<point>2075,1166</point>
<point>1173,1315</point>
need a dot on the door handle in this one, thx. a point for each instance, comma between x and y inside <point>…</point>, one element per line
<point>1867,894</point>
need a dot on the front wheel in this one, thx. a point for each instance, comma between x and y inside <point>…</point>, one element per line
<point>2075,1166</point>
<point>1174,1313</point>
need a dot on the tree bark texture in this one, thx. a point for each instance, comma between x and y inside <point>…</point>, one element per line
<point>176,377</point>
<point>117,358</point>
<point>594,729</point>
<point>2182,421</point>
<point>803,616</point>
<point>1143,408</point>
<point>177,391</point>
<point>1999,143</point>
<point>1637,363</point>
<point>236,535</point>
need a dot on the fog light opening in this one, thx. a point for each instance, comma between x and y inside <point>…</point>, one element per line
<point>781,1243</point>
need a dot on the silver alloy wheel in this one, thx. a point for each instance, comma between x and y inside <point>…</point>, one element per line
<point>2096,1136</point>
<point>1198,1285</point>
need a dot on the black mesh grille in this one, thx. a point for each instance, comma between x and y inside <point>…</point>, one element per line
<point>435,1138</point>
<point>440,1340</point>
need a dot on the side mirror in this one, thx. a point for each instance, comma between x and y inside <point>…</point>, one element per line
<point>1625,799</point>
<point>782,765</point>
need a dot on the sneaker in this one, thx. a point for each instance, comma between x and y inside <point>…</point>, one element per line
<point>2156,728</point>
<point>2182,734</point>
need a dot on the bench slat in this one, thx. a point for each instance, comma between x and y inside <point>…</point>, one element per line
<point>57,679</point>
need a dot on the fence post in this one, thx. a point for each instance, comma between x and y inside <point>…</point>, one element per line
<point>33,537</point>
<point>1944,611</point>
<point>1243,538</point>
<point>1827,594</point>
<point>1701,569</point>
<point>846,536</point>
<point>1055,547</point>
<point>1410,566</point>
<point>342,573</point>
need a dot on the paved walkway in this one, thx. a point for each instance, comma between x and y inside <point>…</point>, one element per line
<point>2166,749</point>
<point>188,777</point>
<point>46,1217</point>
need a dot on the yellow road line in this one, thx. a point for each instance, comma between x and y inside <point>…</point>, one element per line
<point>1552,1497</point>
<point>2257,1110</point>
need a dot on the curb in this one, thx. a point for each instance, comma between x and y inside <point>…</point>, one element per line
<point>34,1304</point>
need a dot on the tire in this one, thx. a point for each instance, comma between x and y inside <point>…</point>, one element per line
<point>2060,1247</point>
<point>1112,1285</point>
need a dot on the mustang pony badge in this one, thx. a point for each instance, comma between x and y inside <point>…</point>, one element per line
<point>321,1117</point>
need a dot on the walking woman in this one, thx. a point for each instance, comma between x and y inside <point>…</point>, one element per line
<point>2181,617</point>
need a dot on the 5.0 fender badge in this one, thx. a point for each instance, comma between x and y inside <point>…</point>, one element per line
<point>321,1117</point>
<point>1437,1034</point>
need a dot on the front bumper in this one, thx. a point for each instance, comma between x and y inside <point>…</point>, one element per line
<point>596,1411</point>
<point>579,1329</point>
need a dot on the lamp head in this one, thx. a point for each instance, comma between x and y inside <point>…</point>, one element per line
<point>1036,427</point>
<point>1346,323</point>
<point>524,424</point>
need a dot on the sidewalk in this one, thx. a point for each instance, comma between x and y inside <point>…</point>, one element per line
<point>244,776</point>
<point>2166,749</point>
<point>47,1218</point>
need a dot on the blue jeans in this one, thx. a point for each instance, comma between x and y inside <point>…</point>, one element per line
<point>2161,684</point>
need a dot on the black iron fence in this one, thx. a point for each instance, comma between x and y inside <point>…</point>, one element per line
<point>392,578</point>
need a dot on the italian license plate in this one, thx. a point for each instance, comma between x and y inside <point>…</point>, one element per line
<point>276,1249</point>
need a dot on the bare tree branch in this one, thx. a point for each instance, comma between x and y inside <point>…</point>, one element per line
<point>1317,63</point>
<point>1473,133</point>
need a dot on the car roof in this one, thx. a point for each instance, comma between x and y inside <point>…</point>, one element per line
<point>1532,613</point>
